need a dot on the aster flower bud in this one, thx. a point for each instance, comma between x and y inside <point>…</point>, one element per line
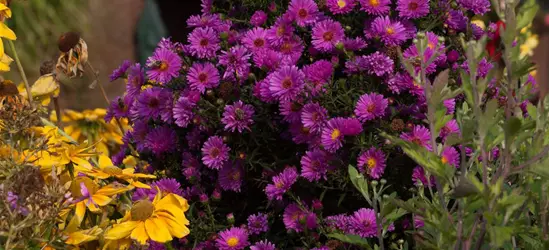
<point>415,41</point>
<point>230,218</point>
<point>374,183</point>
<point>383,181</point>
<point>224,35</point>
<point>400,241</point>
<point>317,204</point>
<point>340,46</point>
<point>216,195</point>
<point>219,101</point>
<point>420,35</point>
<point>203,198</point>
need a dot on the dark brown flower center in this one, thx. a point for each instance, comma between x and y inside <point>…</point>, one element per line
<point>202,77</point>
<point>215,152</point>
<point>371,108</point>
<point>287,83</point>
<point>259,42</point>
<point>302,13</point>
<point>412,6</point>
<point>153,103</point>
<point>328,36</point>
<point>204,42</point>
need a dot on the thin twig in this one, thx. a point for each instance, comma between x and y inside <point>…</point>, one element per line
<point>22,72</point>
<point>532,160</point>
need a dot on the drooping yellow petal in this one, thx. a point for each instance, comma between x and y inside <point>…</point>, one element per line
<point>130,161</point>
<point>104,161</point>
<point>5,62</point>
<point>112,189</point>
<point>139,184</point>
<point>5,10</point>
<point>45,85</point>
<point>102,148</point>
<point>122,230</point>
<point>157,229</point>
<point>101,200</point>
<point>176,228</point>
<point>140,234</point>
<point>83,236</point>
<point>79,161</point>
<point>80,211</point>
<point>122,244</point>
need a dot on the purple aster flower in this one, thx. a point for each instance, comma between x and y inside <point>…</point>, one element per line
<point>313,117</point>
<point>258,223</point>
<point>256,40</point>
<point>321,248</point>
<point>118,108</point>
<point>120,71</point>
<point>336,129</point>
<point>230,177</point>
<point>167,43</point>
<point>286,83</point>
<point>378,64</point>
<point>363,223</point>
<point>339,222</point>
<point>318,75</point>
<point>206,5</point>
<point>453,56</point>
<point>183,112</point>
<point>204,43</point>
<point>205,20</point>
<point>136,78</point>
<point>326,34</point>
<point>291,50</point>
<point>161,140</point>
<point>451,127</point>
<point>450,105</point>
<point>202,76</point>
<point>155,102</point>
<point>374,161</point>
<point>483,67</point>
<point>450,156</point>
<point>300,134</point>
<point>163,65</point>
<point>354,44</point>
<point>294,217</point>
<point>281,183</point>
<point>314,165</point>
<point>456,20</point>
<point>376,7</point>
<point>479,7</point>
<point>236,62</point>
<point>263,245</point>
<point>258,18</point>
<point>419,135</point>
<point>413,8</point>
<point>419,176</point>
<point>291,110</point>
<point>341,6</point>
<point>234,238</point>
<point>400,82</point>
<point>238,116</point>
<point>261,91</point>
<point>280,31</point>
<point>391,33</point>
<point>371,106</point>
<point>215,153</point>
<point>304,12</point>
<point>268,59</point>
<point>477,31</point>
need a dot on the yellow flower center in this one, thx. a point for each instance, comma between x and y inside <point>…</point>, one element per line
<point>374,3</point>
<point>163,66</point>
<point>335,134</point>
<point>371,163</point>
<point>279,184</point>
<point>390,30</point>
<point>370,108</point>
<point>112,170</point>
<point>444,160</point>
<point>232,241</point>
<point>431,45</point>
<point>142,210</point>
<point>341,3</point>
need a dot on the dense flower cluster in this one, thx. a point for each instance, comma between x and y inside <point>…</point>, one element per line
<point>257,116</point>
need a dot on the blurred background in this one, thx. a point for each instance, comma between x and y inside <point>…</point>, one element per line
<point>118,30</point>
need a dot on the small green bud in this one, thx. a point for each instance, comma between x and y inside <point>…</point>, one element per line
<point>383,181</point>
<point>219,101</point>
<point>374,183</point>
<point>340,46</point>
<point>224,35</point>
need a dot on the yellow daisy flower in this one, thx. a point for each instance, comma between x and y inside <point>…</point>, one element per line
<point>160,220</point>
<point>107,169</point>
<point>89,194</point>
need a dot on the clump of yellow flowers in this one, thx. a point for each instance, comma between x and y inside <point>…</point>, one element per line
<point>58,186</point>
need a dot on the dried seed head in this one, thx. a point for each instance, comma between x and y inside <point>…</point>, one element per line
<point>67,41</point>
<point>47,67</point>
<point>8,88</point>
<point>397,125</point>
<point>142,210</point>
<point>27,181</point>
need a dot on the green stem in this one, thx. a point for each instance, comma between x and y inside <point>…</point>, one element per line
<point>22,72</point>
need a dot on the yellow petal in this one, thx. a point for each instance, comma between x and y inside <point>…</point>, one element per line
<point>122,230</point>
<point>139,184</point>
<point>105,161</point>
<point>101,200</point>
<point>6,32</point>
<point>80,211</point>
<point>140,234</point>
<point>45,85</point>
<point>102,149</point>
<point>112,189</point>
<point>157,229</point>
<point>78,238</point>
<point>176,228</point>
<point>5,9</point>
<point>138,175</point>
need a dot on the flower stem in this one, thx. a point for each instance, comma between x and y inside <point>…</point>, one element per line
<point>22,72</point>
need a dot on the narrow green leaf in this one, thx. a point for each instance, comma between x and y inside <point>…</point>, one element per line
<point>512,127</point>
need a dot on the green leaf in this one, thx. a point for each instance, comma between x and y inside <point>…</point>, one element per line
<point>512,127</point>
<point>351,239</point>
<point>359,182</point>
<point>527,13</point>
<point>500,235</point>
<point>431,162</point>
<point>532,110</point>
<point>488,118</point>
<point>533,242</point>
<point>464,188</point>
<point>440,83</point>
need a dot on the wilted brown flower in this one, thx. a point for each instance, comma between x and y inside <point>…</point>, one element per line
<point>74,55</point>
<point>397,125</point>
